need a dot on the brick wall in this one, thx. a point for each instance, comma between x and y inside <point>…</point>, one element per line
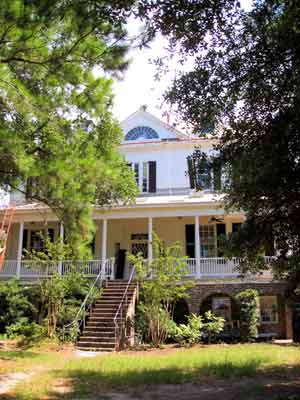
<point>202,290</point>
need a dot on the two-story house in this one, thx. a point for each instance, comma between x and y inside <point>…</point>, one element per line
<point>157,153</point>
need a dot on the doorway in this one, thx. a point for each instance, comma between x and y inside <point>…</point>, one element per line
<point>120,263</point>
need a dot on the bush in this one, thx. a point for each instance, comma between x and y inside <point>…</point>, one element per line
<point>190,333</point>
<point>212,326</point>
<point>26,329</point>
<point>15,304</point>
<point>248,301</point>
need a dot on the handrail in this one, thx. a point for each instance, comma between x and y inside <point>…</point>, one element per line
<point>124,297</point>
<point>83,304</point>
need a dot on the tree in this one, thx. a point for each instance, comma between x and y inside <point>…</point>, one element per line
<point>244,78</point>
<point>161,286</point>
<point>57,132</point>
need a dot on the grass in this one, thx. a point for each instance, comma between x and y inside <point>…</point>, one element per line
<point>84,377</point>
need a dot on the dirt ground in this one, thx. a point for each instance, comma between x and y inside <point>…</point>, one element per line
<point>242,389</point>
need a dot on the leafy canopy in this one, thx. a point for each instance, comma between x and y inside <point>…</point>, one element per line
<point>57,134</point>
<point>242,75</point>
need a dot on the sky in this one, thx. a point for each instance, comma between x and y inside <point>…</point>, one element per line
<point>139,86</point>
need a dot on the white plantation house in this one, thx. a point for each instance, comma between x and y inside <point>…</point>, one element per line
<point>167,205</point>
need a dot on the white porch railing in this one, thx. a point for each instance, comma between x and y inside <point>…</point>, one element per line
<point>218,267</point>
<point>29,269</point>
<point>214,267</point>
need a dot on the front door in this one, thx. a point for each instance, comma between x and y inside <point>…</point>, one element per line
<point>121,259</point>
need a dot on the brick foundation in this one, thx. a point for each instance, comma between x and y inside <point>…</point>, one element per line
<point>283,328</point>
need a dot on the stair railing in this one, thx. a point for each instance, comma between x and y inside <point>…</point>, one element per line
<point>79,319</point>
<point>120,310</point>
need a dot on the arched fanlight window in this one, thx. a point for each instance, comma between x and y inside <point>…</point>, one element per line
<point>141,132</point>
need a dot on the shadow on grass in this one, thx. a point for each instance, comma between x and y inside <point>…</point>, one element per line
<point>12,355</point>
<point>83,383</point>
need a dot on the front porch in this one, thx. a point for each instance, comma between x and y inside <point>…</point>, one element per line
<point>218,267</point>
<point>115,237</point>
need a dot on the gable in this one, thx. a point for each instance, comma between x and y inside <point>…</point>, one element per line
<point>143,126</point>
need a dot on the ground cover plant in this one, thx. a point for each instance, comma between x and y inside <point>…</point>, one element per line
<point>88,378</point>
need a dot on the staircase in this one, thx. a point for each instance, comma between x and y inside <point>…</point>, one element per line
<point>99,333</point>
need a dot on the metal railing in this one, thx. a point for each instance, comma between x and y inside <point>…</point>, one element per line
<point>79,320</point>
<point>120,311</point>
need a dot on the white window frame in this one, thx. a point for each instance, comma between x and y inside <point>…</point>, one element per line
<point>269,311</point>
<point>212,238</point>
<point>140,180</point>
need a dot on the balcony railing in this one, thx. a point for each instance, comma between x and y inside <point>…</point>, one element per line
<point>218,267</point>
<point>28,269</point>
<point>214,267</point>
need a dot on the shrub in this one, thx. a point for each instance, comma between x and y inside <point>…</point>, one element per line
<point>159,294</point>
<point>190,333</point>
<point>249,314</point>
<point>212,326</point>
<point>15,303</point>
<point>26,329</point>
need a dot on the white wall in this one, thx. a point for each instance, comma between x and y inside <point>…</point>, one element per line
<point>171,161</point>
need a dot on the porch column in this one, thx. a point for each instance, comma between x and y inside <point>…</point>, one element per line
<point>20,248</point>
<point>61,238</point>
<point>197,246</point>
<point>104,239</point>
<point>150,249</point>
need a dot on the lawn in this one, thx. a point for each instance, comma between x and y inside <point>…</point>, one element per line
<point>61,374</point>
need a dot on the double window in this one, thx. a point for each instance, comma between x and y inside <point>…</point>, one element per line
<point>208,242</point>
<point>34,239</point>
<point>268,309</point>
<point>145,175</point>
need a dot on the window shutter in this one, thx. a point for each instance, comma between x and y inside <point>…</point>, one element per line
<point>190,240</point>
<point>217,176</point>
<point>50,234</point>
<point>152,176</point>
<point>221,231</point>
<point>92,245</point>
<point>25,237</point>
<point>191,171</point>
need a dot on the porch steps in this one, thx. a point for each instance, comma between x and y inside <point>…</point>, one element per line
<point>99,332</point>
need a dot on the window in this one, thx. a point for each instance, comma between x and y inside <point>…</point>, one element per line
<point>36,239</point>
<point>221,306</point>
<point>236,226</point>
<point>141,133</point>
<point>145,175</point>
<point>207,241</point>
<point>139,244</point>
<point>268,309</point>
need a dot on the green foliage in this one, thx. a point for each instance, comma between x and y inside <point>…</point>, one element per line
<point>43,309</point>
<point>248,301</point>
<point>244,78</point>
<point>212,325</point>
<point>190,333</point>
<point>57,132</point>
<point>15,304</point>
<point>198,327</point>
<point>23,328</point>
<point>160,293</point>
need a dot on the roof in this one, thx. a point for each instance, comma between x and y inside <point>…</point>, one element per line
<point>142,113</point>
<point>145,201</point>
